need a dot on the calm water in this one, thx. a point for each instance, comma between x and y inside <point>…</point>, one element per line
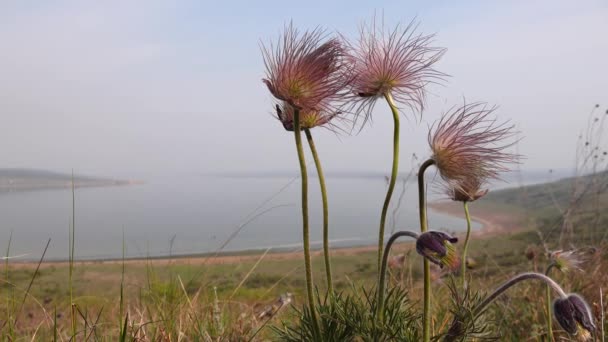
<point>198,214</point>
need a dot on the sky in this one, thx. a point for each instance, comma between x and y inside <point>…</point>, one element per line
<point>139,89</point>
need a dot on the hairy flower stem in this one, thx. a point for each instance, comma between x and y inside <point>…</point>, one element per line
<point>315,155</point>
<point>394,171</point>
<point>71,261</point>
<point>548,303</point>
<point>381,282</point>
<point>305,230</point>
<point>463,269</point>
<point>518,278</point>
<point>426,316</point>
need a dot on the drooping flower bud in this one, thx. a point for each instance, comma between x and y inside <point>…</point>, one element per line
<point>574,316</point>
<point>437,248</point>
<point>530,252</point>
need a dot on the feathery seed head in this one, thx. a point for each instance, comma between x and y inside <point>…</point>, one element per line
<point>399,63</point>
<point>469,147</point>
<point>306,70</point>
<point>565,261</point>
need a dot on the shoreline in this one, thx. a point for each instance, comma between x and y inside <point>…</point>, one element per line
<point>493,223</point>
<point>67,185</point>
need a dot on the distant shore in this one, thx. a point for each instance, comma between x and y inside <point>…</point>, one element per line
<point>17,180</point>
<point>493,223</point>
<point>34,186</point>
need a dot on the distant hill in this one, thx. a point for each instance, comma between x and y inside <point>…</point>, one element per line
<point>575,208</point>
<point>12,180</point>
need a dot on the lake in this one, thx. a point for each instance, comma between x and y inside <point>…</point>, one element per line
<point>196,214</point>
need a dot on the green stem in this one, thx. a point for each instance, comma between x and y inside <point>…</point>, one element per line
<point>463,270</point>
<point>71,265</point>
<point>9,291</point>
<point>548,300</point>
<point>426,316</point>
<point>381,283</point>
<point>305,229</point>
<point>315,156</point>
<point>395,169</point>
<point>524,276</point>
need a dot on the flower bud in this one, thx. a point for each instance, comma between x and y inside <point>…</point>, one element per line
<point>437,247</point>
<point>574,316</point>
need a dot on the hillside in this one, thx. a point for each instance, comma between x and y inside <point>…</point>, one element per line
<point>566,211</point>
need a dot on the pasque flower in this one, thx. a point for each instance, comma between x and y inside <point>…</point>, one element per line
<point>398,62</point>
<point>307,71</point>
<point>437,247</point>
<point>309,118</point>
<point>466,190</point>
<point>469,146</point>
<point>565,261</point>
<point>574,316</point>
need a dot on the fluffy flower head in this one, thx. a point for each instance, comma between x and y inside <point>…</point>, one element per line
<point>565,261</point>
<point>437,248</point>
<point>306,70</point>
<point>398,62</point>
<point>469,147</point>
<point>574,316</point>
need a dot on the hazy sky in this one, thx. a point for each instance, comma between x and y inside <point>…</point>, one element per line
<point>144,88</point>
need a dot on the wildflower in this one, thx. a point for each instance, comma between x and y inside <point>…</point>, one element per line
<point>530,252</point>
<point>396,261</point>
<point>466,190</point>
<point>437,247</point>
<point>574,316</point>
<point>471,263</point>
<point>468,146</point>
<point>309,118</point>
<point>565,260</point>
<point>305,71</point>
<point>399,63</point>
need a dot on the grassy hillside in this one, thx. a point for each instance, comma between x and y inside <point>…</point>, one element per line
<point>567,211</point>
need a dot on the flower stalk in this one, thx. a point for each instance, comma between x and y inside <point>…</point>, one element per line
<point>548,303</point>
<point>465,247</point>
<point>382,280</point>
<point>426,316</point>
<point>305,228</point>
<point>326,255</point>
<point>393,179</point>
<point>519,278</point>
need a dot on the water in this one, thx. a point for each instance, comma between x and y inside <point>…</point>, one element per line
<point>196,214</point>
